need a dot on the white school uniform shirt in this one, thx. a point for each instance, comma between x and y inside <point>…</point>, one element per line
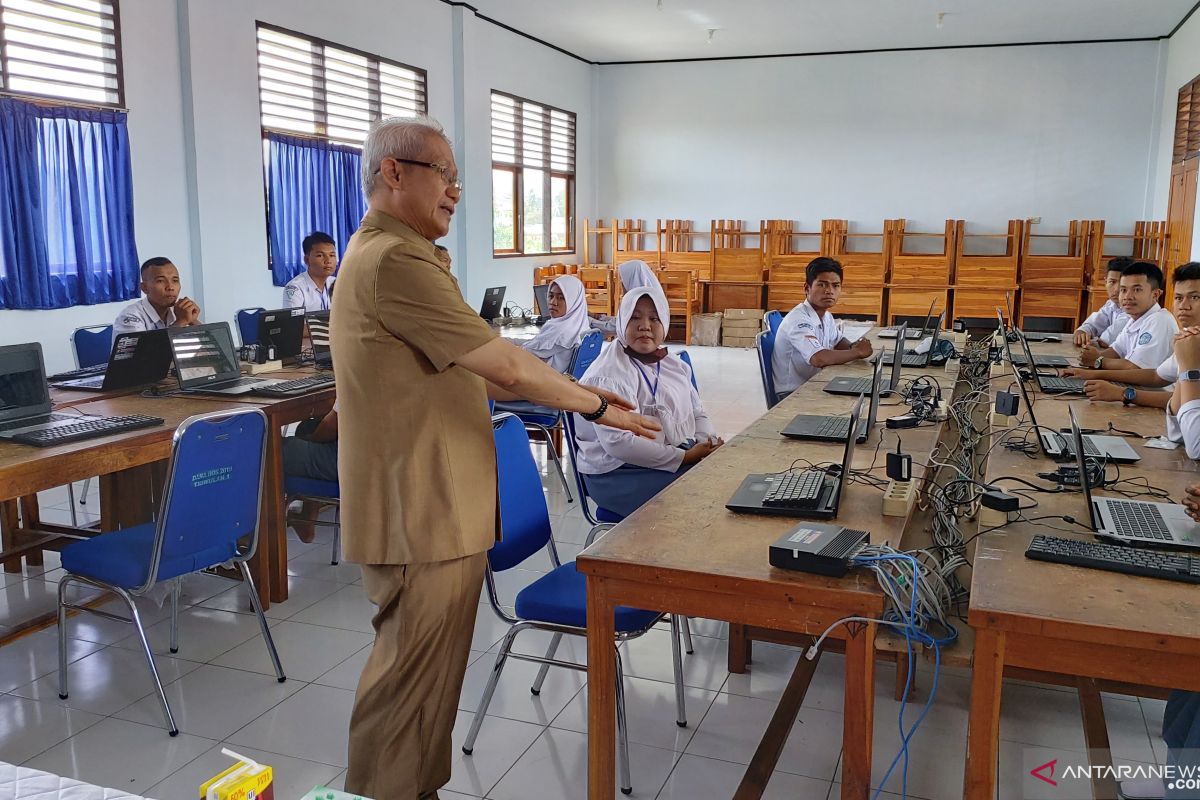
<point>301,292</point>
<point>1169,372</point>
<point>1148,340</point>
<point>141,316</point>
<point>802,334</point>
<point>1108,320</point>
<point>1189,427</point>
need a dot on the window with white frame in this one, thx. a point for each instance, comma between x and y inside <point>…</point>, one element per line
<point>66,50</point>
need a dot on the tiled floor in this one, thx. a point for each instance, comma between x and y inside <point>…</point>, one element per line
<point>223,692</point>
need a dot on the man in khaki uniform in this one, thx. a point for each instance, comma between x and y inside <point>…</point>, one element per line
<point>417,465</point>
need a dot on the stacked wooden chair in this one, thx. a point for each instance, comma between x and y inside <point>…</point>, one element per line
<point>922,266</point>
<point>985,269</point>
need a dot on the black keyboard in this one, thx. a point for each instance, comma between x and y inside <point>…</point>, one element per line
<point>837,427</point>
<point>1042,361</point>
<point>297,386</point>
<point>1115,558</point>
<point>1089,448</point>
<point>859,386</point>
<point>1143,520</point>
<point>1050,383</point>
<point>86,428</point>
<point>86,372</point>
<point>796,490</point>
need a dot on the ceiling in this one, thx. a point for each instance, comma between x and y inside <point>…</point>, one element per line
<point>639,30</point>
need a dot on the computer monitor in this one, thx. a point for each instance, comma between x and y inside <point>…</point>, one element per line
<point>23,390</point>
<point>283,329</point>
<point>541,299</point>
<point>493,302</point>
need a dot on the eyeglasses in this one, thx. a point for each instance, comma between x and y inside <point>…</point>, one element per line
<point>443,171</point>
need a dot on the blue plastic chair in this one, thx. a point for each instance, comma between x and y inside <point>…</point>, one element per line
<point>247,324</point>
<point>557,601</point>
<point>209,516</point>
<point>765,345</point>
<point>326,492</point>
<point>685,358</point>
<point>92,344</point>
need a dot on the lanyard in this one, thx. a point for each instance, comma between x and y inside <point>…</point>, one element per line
<point>657,374</point>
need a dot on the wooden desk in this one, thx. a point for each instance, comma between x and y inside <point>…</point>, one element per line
<point>683,552</point>
<point>1091,625</point>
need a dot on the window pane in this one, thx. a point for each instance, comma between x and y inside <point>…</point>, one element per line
<point>502,210</point>
<point>535,228</point>
<point>558,214</point>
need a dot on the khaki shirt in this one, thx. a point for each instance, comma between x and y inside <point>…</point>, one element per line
<point>416,457</point>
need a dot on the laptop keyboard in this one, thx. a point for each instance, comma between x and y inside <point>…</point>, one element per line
<point>86,428</point>
<point>834,427</point>
<point>859,386</point>
<point>1050,383</point>
<point>86,372</point>
<point>239,382</point>
<point>1089,448</point>
<point>796,490</point>
<point>1115,558</point>
<point>1139,520</point>
<point>297,386</point>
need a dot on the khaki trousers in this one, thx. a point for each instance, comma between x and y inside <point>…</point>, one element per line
<point>404,711</point>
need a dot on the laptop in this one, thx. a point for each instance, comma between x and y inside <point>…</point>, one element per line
<point>206,361</point>
<point>318,334</point>
<point>1049,384</point>
<point>829,428</point>
<point>1057,362</point>
<point>493,303</point>
<point>541,299</point>
<point>810,493</point>
<point>890,331</point>
<point>137,359</point>
<point>1057,446</point>
<point>930,358</point>
<point>845,384</point>
<point>1134,521</point>
<point>283,329</point>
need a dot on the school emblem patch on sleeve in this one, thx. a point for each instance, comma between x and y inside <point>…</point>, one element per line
<point>289,291</point>
<point>1145,338</point>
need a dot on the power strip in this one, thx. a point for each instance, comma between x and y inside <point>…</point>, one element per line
<point>899,498</point>
<point>943,411</point>
<point>999,420</point>
<point>991,518</point>
<point>997,370</point>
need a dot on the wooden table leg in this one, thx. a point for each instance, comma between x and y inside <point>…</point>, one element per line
<point>31,519</point>
<point>130,497</point>
<point>9,522</point>
<point>770,747</point>
<point>270,563</point>
<point>741,648</point>
<point>859,724</point>
<point>1095,733</point>
<point>602,696</point>
<point>983,725</point>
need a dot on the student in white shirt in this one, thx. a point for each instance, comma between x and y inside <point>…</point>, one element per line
<point>1145,341</point>
<point>162,307</point>
<point>809,338</point>
<point>1185,287</point>
<point>1107,321</point>
<point>556,341</point>
<point>312,288</point>
<point>622,471</point>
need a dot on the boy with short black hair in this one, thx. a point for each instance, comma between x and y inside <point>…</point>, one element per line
<point>161,307</point>
<point>809,338</point>
<point>312,288</point>
<point>1145,341</point>
<point>1107,321</point>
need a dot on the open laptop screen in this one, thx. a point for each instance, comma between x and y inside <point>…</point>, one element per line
<point>23,391</point>
<point>848,453</point>
<point>204,354</point>
<point>541,296</point>
<point>1081,462</point>
<point>318,332</point>
<point>284,329</point>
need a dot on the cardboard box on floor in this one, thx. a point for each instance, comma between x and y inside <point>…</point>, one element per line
<point>738,341</point>
<point>744,313</point>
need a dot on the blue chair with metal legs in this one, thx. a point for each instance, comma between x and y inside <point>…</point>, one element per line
<point>765,346</point>
<point>209,516</point>
<point>247,324</point>
<point>318,491</point>
<point>557,601</point>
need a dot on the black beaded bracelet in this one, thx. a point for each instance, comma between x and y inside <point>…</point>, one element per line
<point>598,413</point>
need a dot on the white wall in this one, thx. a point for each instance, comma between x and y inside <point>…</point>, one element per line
<point>1182,66</point>
<point>152,94</point>
<point>986,135</point>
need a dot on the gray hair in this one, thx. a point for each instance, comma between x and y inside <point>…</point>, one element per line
<point>395,137</point>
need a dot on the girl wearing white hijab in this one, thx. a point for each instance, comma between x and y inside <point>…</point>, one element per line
<point>637,274</point>
<point>568,323</point>
<point>622,472</point>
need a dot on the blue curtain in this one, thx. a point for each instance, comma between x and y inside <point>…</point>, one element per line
<point>311,186</point>
<point>66,207</point>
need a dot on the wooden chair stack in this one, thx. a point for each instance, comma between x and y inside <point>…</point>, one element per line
<point>595,237</point>
<point>1051,282</point>
<point>982,276</point>
<point>866,270</point>
<point>738,272</point>
<point>679,248</point>
<point>602,289</point>
<point>680,287</point>
<point>787,253</point>
<point>919,274</point>
<point>630,243</point>
<point>1146,242</point>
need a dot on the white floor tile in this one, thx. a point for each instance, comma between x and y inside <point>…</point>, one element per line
<point>348,609</point>
<point>555,768</point>
<point>512,698</point>
<point>27,599</point>
<point>293,777</point>
<point>121,755</point>
<point>501,742</point>
<point>34,655</point>
<point>107,680</point>
<point>696,778</point>
<point>302,593</point>
<point>315,564</point>
<point>312,724</point>
<point>649,712</point>
<point>305,651</point>
<point>213,702</point>
<point>1127,734</point>
<point>204,634</point>
<point>1041,717</point>
<point>346,674</point>
<point>490,629</point>
<point>28,727</point>
<point>650,657</point>
<point>93,628</point>
<point>767,675</point>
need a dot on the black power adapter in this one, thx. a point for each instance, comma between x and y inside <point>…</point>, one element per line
<point>899,465</point>
<point>1000,501</point>
<point>1007,404</point>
